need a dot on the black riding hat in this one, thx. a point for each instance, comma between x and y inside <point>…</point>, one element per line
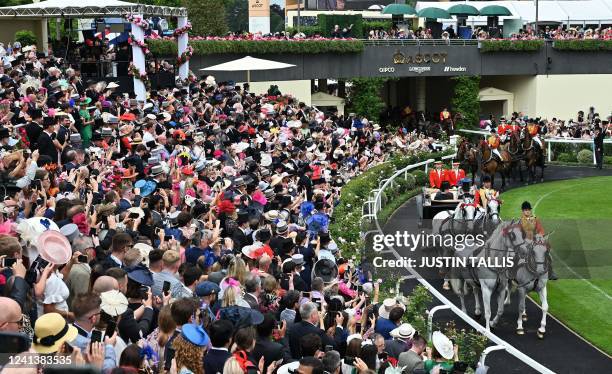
<point>526,205</point>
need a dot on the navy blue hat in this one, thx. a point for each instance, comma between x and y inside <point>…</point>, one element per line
<point>486,178</point>
<point>195,334</point>
<point>141,274</point>
<point>207,288</point>
<point>241,316</point>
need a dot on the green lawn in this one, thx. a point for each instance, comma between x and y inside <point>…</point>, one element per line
<point>579,213</point>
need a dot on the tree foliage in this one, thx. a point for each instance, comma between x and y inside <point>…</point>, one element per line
<point>237,15</point>
<point>465,100</point>
<point>25,37</point>
<point>207,17</point>
<point>364,98</point>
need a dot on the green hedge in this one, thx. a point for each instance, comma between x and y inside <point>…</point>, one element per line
<point>583,45</point>
<point>210,47</point>
<point>307,30</point>
<point>487,46</point>
<point>327,22</point>
<point>376,25</point>
<point>345,222</point>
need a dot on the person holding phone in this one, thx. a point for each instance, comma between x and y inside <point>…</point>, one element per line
<point>266,347</point>
<point>87,309</point>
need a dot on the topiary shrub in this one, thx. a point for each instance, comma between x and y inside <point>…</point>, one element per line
<point>567,157</point>
<point>585,156</point>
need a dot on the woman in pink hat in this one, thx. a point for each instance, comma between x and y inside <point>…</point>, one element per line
<point>50,290</point>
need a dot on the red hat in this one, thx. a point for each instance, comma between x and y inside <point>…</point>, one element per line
<point>187,170</point>
<point>127,117</point>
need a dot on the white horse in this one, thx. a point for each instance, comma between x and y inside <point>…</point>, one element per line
<point>486,280</point>
<point>459,221</point>
<point>532,275</point>
<point>488,218</point>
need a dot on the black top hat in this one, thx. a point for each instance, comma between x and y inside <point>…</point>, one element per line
<point>4,133</point>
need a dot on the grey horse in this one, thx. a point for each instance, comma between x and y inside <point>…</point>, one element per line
<point>532,275</point>
<point>485,279</point>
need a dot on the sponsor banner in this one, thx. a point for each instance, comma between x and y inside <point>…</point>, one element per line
<point>259,24</point>
<point>455,69</point>
<point>259,8</point>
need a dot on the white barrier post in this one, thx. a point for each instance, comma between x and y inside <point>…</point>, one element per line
<point>488,350</point>
<point>549,151</point>
<point>430,318</point>
<point>594,157</point>
<point>139,60</point>
<point>182,46</point>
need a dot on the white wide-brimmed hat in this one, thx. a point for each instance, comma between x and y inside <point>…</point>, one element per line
<point>443,345</point>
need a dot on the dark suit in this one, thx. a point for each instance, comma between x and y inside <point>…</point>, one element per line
<point>271,351</point>
<point>302,328</point>
<point>253,302</point>
<point>240,239</point>
<point>214,360</point>
<point>599,147</point>
<point>395,347</point>
<point>33,131</point>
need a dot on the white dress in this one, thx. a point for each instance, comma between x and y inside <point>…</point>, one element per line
<point>56,292</point>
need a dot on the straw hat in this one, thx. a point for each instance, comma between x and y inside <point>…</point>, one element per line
<point>50,332</point>
<point>403,331</point>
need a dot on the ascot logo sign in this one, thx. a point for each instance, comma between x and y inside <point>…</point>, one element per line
<point>454,69</point>
<point>424,58</point>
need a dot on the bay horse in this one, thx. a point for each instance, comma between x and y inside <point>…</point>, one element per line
<point>516,154</point>
<point>467,158</point>
<point>491,165</point>
<point>534,155</point>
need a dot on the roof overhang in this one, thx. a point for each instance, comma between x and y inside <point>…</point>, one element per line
<point>92,11</point>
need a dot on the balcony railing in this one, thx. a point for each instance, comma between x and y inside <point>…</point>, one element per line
<point>419,42</point>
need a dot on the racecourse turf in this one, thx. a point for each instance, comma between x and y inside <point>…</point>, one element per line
<point>578,212</point>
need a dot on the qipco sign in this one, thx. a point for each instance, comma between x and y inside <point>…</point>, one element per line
<point>386,69</point>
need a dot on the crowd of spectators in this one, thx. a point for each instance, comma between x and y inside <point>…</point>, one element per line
<point>188,233</point>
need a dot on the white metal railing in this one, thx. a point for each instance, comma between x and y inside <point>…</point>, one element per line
<point>499,343</point>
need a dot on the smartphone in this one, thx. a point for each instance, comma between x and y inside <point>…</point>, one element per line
<point>329,348</point>
<point>7,262</point>
<point>358,327</point>
<point>110,328</point>
<point>83,259</point>
<point>166,288</point>
<point>349,360</point>
<point>96,336</point>
<point>383,356</point>
<point>133,215</point>
<point>167,238</point>
<point>41,263</point>
<point>13,342</point>
<point>144,290</point>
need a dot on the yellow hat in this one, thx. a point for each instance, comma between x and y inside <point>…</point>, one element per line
<point>50,332</point>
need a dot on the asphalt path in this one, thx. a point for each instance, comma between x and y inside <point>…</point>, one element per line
<point>561,350</point>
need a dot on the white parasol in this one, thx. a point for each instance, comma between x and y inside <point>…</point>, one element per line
<point>247,64</point>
